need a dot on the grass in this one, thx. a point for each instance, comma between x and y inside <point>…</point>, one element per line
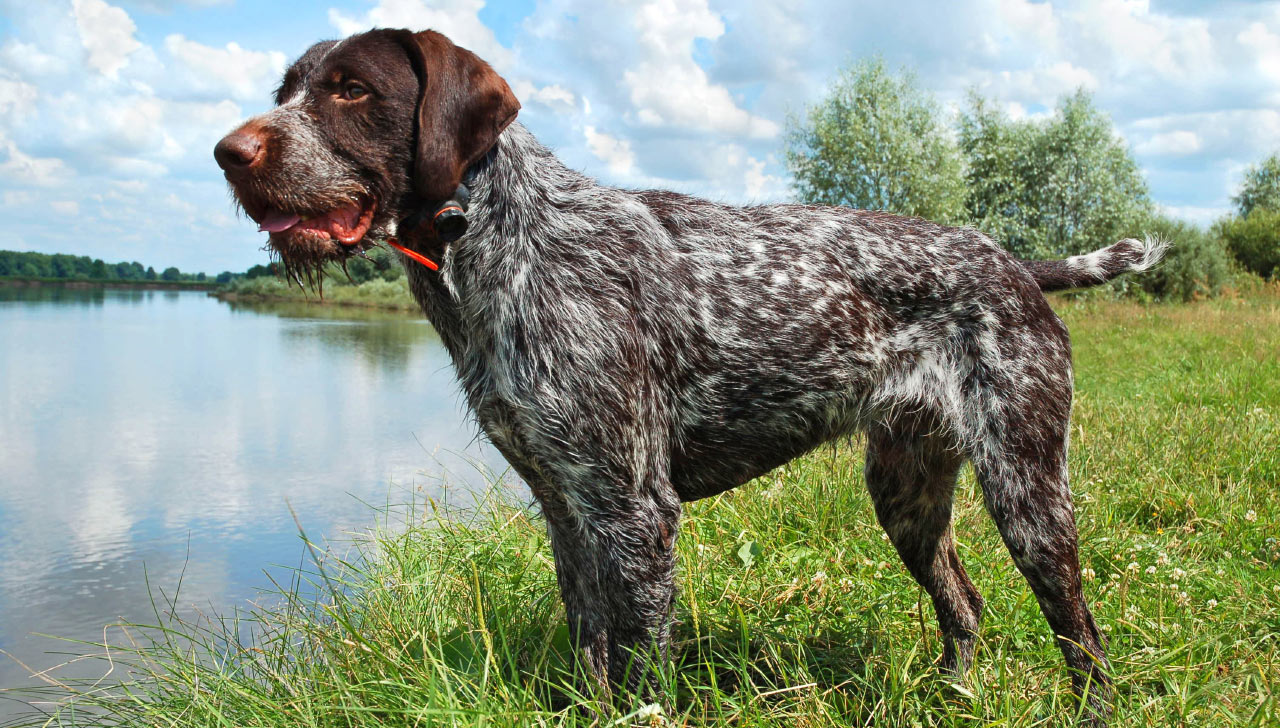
<point>794,610</point>
<point>377,293</point>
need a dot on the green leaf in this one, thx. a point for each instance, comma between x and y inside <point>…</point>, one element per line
<point>748,553</point>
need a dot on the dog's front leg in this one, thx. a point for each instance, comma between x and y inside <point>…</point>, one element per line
<point>615,561</point>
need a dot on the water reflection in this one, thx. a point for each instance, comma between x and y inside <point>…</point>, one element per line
<point>139,426</point>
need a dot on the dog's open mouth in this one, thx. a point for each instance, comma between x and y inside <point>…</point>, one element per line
<point>346,224</point>
<point>306,242</point>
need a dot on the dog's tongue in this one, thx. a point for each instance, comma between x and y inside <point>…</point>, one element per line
<point>276,221</point>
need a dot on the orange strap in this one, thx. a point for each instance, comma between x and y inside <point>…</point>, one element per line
<point>414,254</point>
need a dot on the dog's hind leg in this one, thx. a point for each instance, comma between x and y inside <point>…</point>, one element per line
<point>911,473</point>
<point>1024,483</point>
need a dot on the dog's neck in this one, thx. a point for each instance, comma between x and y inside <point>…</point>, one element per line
<point>522,201</point>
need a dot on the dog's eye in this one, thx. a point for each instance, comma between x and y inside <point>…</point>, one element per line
<point>353,91</point>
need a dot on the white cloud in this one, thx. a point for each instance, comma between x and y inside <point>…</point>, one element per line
<point>1135,38</point>
<point>1241,134</point>
<point>1171,144</point>
<point>17,98</point>
<point>669,88</point>
<point>107,34</point>
<point>18,198</point>
<point>1040,85</point>
<point>25,169</point>
<point>228,71</point>
<point>65,207</point>
<point>1265,46</point>
<point>1199,215</point>
<point>553,96</point>
<point>614,152</point>
<point>33,59</point>
<point>1032,20</point>
<point>162,6</point>
<point>760,185</point>
<point>458,19</point>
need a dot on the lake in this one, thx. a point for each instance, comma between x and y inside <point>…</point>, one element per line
<point>144,434</point>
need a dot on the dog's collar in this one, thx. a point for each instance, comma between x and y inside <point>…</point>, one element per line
<point>447,217</point>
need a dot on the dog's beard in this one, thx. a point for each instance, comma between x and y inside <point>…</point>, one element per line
<point>303,244</point>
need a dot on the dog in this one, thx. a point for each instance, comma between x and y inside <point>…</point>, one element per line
<point>627,351</point>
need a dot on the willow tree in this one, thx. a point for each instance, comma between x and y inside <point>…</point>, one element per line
<point>877,141</point>
<point>1056,186</point>
<point>1260,188</point>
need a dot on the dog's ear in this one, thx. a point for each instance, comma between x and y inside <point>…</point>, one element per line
<point>463,105</point>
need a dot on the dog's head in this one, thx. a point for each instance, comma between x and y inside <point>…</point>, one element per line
<point>364,133</point>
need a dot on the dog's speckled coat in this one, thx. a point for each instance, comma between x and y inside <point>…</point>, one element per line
<point>630,350</point>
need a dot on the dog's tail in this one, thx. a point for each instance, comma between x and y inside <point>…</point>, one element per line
<point>1100,266</point>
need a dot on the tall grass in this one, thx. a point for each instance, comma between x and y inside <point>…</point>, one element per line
<point>794,610</point>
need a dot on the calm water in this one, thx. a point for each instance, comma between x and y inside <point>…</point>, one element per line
<point>142,432</point>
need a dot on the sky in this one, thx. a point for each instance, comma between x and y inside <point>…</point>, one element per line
<point>109,111</point>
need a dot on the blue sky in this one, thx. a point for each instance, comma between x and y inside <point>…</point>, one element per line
<point>109,109</point>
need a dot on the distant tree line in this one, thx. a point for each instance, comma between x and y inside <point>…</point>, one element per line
<point>1048,187</point>
<point>379,264</point>
<point>84,268</point>
<point>376,264</point>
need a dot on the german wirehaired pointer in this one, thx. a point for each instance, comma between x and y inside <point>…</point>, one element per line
<point>627,351</point>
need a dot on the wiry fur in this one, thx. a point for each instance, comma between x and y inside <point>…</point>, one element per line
<point>630,350</point>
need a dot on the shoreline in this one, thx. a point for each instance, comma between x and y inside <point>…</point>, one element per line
<point>234,297</point>
<point>21,282</point>
<point>376,294</point>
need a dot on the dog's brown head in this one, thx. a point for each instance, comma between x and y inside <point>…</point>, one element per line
<point>365,132</point>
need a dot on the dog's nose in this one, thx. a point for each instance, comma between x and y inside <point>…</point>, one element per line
<point>238,151</point>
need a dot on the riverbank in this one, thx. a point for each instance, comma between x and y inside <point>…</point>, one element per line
<point>377,293</point>
<point>109,283</point>
<point>794,609</point>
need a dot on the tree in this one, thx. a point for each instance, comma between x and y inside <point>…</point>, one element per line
<point>877,142</point>
<point>224,277</point>
<point>1261,187</point>
<point>1198,265</point>
<point>171,274</point>
<point>1254,240</point>
<point>151,273</point>
<point>1061,186</point>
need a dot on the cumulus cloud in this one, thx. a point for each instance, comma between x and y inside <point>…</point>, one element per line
<point>1238,133</point>
<point>27,170</point>
<point>458,19</point>
<point>230,71</point>
<point>65,207</point>
<point>554,96</point>
<point>1171,143</point>
<point>668,87</point>
<point>17,98</point>
<point>1041,85</point>
<point>107,34</point>
<point>760,185</point>
<point>614,152</point>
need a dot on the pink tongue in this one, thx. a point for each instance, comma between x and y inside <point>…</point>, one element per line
<point>276,221</point>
